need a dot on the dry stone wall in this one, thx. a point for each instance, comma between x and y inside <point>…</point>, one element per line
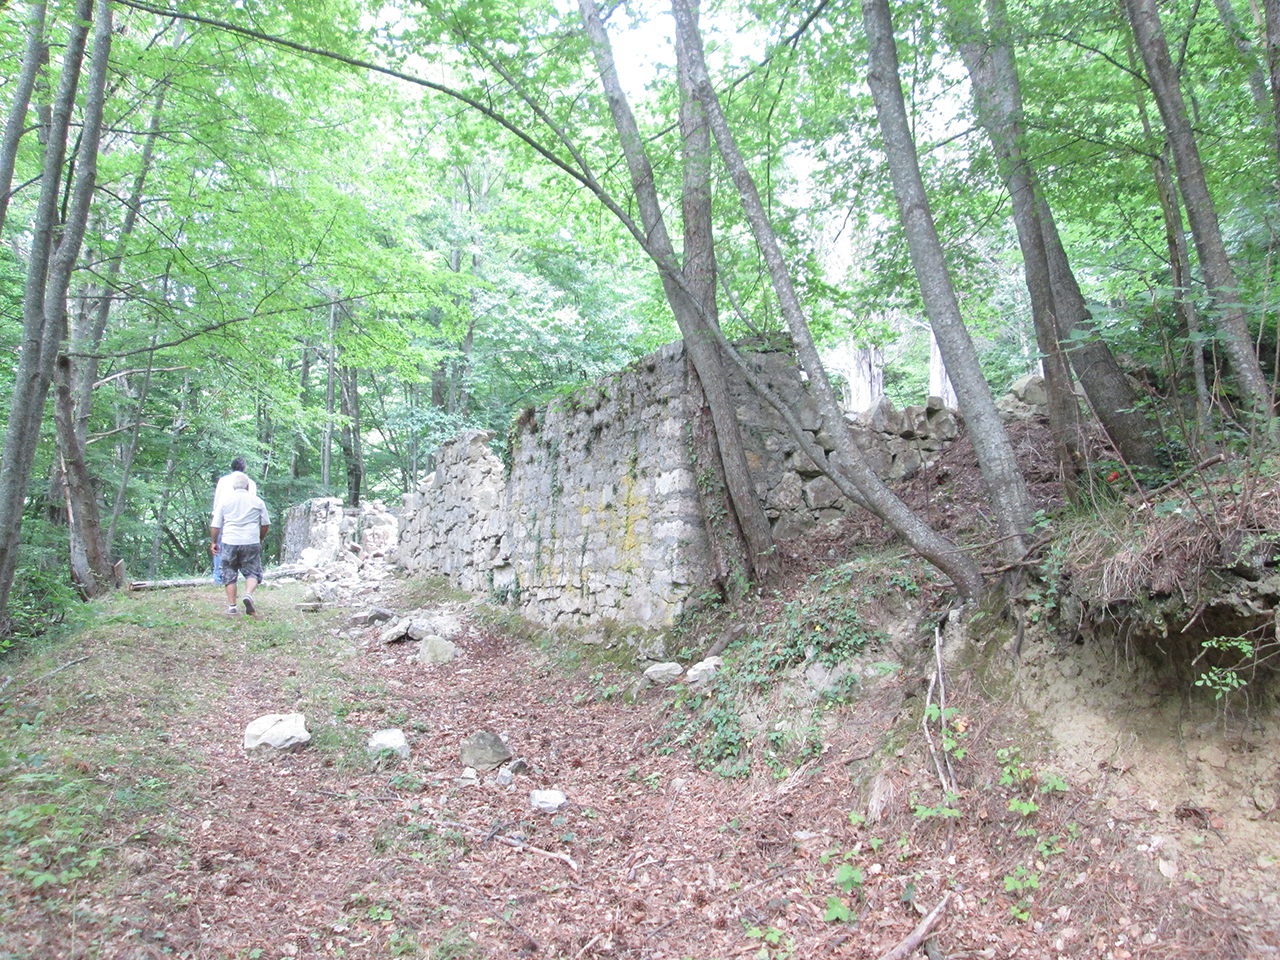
<point>598,516</point>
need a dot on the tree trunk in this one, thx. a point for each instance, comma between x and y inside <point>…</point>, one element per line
<point>1271,14</point>
<point>1248,59</point>
<point>728,544</point>
<point>349,435</point>
<point>990,442</point>
<point>48,278</point>
<point>997,97</point>
<point>170,464</point>
<point>1232,326</point>
<point>34,57</point>
<point>699,338</point>
<point>129,451</point>
<point>850,471</point>
<point>90,567</point>
<point>326,439</point>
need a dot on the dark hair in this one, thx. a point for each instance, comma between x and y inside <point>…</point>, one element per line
<point>239,464</point>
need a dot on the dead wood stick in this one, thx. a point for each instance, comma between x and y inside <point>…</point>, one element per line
<point>46,676</point>
<point>205,581</point>
<point>920,933</point>
<point>509,841</point>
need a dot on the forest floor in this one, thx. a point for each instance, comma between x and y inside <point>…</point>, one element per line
<point>135,826</point>
<point>1091,809</point>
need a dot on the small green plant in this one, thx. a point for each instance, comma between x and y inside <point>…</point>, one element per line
<point>947,809</point>
<point>1013,772</point>
<point>403,943</point>
<point>774,944</point>
<point>1023,808</point>
<point>952,727</point>
<point>1050,847</point>
<point>1020,882</point>
<point>1053,783</point>
<point>1226,679</point>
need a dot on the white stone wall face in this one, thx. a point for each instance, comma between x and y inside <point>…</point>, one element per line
<point>598,518</point>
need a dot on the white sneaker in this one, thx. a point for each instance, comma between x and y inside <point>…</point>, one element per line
<point>232,611</point>
<point>249,607</point>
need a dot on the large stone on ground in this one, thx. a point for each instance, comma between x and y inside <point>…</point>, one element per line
<point>484,750</point>
<point>285,732</point>
<point>391,739</point>
<point>435,649</point>
<point>664,673</point>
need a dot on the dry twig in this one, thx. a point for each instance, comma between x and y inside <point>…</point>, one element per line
<point>917,936</point>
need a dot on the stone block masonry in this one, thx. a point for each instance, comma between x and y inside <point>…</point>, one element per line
<point>598,518</point>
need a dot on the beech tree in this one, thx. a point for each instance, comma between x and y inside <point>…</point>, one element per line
<point>1233,327</point>
<point>54,250</point>
<point>1058,308</point>
<point>990,442</point>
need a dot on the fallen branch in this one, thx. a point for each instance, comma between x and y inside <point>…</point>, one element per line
<point>509,841</point>
<point>921,933</point>
<point>46,676</point>
<point>205,581</point>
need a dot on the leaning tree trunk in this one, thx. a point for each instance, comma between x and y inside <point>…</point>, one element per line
<point>1232,325</point>
<point>850,470</point>
<point>49,267</point>
<point>34,57</point>
<point>997,100</point>
<point>695,328</point>
<point>990,442</point>
<point>1110,395</point>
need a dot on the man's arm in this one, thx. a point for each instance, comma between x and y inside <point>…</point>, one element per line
<point>213,533</point>
<point>262,532</point>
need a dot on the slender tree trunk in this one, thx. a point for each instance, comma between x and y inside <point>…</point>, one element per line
<point>1232,326</point>
<point>166,485</point>
<point>1110,394</point>
<point>728,544</point>
<point>1271,15</point>
<point>1248,58</point>
<point>689,314</point>
<point>326,440</point>
<point>1184,302</point>
<point>997,99</point>
<point>349,435</point>
<point>991,443</point>
<point>130,450</point>
<point>91,568</point>
<point>34,58</point>
<point>48,277</point>
<point>850,471</point>
<point>304,397</point>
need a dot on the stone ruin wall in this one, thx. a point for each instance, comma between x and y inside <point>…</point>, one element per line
<point>598,518</point>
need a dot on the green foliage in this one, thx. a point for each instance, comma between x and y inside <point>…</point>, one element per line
<point>1021,882</point>
<point>1241,659</point>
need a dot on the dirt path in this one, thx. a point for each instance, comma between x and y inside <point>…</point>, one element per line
<point>210,853</point>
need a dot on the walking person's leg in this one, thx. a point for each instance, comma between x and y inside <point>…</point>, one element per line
<point>230,573</point>
<point>252,567</point>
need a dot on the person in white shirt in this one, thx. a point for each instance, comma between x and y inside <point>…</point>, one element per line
<point>221,491</point>
<point>240,524</point>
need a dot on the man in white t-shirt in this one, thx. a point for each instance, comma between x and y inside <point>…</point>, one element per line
<point>220,493</point>
<point>240,524</point>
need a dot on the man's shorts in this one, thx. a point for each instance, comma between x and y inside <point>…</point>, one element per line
<point>241,558</point>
